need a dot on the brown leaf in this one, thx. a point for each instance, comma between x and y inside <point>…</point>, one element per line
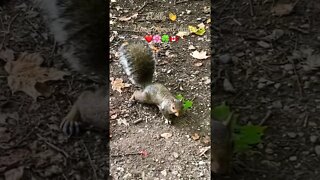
<point>7,55</point>
<point>5,136</point>
<point>206,140</point>
<point>195,136</point>
<point>282,9</point>
<point>25,74</point>
<point>15,156</point>
<point>118,84</point>
<point>14,174</point>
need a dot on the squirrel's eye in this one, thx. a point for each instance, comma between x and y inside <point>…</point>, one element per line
<point>173,107</point>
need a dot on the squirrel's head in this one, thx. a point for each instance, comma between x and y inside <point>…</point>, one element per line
<point>176,107</point>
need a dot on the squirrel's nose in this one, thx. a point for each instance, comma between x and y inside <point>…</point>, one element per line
<point>177,113</point>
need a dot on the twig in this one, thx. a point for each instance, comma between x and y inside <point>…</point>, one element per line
<point>127,30</point>
<point>127,154</point>
<point>251,8</point>
<point>298,79</point>
<point>90,160</point>
<point>54,146</point>
<point>8,30</point>
<point>144,5</point>
<point>138,121</point>
<point>183,1</point>
<point>265,118</point>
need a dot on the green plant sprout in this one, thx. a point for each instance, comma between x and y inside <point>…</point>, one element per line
<point>244,136</point>
<point>187,104</point>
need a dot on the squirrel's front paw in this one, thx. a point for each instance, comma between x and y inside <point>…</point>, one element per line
<point>70,124</point>
<point>70,127</point>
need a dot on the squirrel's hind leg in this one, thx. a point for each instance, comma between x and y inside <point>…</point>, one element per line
<point>70,123</point>
<point>139,96</point>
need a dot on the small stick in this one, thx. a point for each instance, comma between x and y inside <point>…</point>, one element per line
<point>137,121</point>
<point>251,8</point>
<point>53,146</point>
<point>90,160</point>
<point>183,1</point>
<point>144,5</point>
<point>127,154</point>
<point>265,118</point>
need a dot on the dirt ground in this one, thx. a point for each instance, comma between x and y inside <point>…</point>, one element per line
<point>31,144</point>
<point>272,82</point>
<point>179,155</point>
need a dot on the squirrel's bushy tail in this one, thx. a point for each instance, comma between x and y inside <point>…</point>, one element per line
<point>81,27</point>
<point>137,60</point>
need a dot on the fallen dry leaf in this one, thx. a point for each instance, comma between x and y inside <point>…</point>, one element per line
<point>13,157</point>
<point>7,55</point>
<point>166,135</point>
<point>199,55</point>
<point>195,136</point>
<point>14,174</point>
<point>134,16</point>
<point>118,85</point>
<point>5,135</point>
<point>201,25</point>
<point>123,121</point>
<point>182,34</point>
<point>282,9</point>
<point>25,74</point>
<point>191,47</point>
<point>114,116</point>
<point>198,64</point>
<point>172,16</point>
<point>206,140</point>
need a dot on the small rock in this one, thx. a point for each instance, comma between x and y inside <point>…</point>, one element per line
<point>292,134</point>
<point>240,54</point>
<point>277,85</point>
<point>166,135</point>
<point>175,155</point>
<point>188,11</point>
<point>288,67</point>
<point>225,59</point>
<point>313,138</point>
<point>317,150</point>
<point>261,85</point>
<point>277,104</point>
<point>263,44</point>
<point>269,151</point>
<point>293,158</point>
<point>164,173</point>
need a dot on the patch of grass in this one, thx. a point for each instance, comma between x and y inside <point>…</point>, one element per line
<point>187,104</point>
<point>244,136</point>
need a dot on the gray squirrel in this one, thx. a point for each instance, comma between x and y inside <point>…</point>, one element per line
<point>80,27</point>
<point>138,62</point>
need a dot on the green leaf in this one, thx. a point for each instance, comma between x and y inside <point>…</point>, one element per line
<point>187,104</point>
<point>221,112</point>
<point>247,136</point>
<point>179,97</point>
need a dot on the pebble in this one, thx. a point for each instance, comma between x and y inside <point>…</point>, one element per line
<point>317,150</point>
<point>263,44</point>
<point>225,59</point>
<point>292,134</point>
<point>288,67</point>
<point>313,138</point>
<point>269,151</point>
<point>164,173</point>
<point>277,85</point>
<point>175,155</point>
<point>293,158</point>
<point>277,104</point>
